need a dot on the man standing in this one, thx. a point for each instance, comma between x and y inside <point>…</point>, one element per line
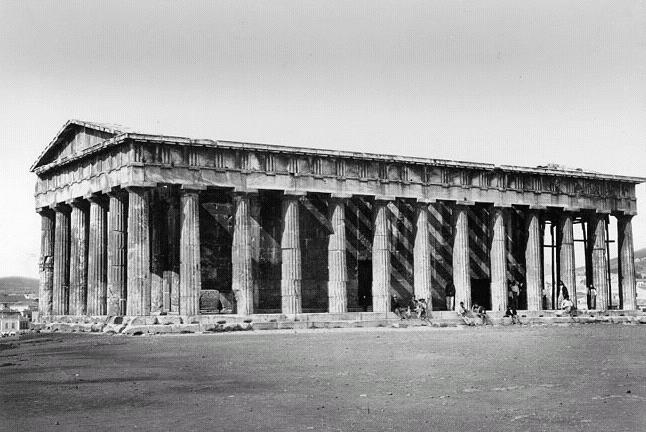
<point>515,294</point>
<point>592,293</point>
<point>449,292</point>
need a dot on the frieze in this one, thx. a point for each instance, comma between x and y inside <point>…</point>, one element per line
<point>265,161</point>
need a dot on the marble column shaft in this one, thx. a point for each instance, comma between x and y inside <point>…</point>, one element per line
<point>97,258</point>
<point>138,269</point>
<point>627,281</point>
<point>422,266</point>
<point>157,252</point>
<point>291,276</point>
<point>60,291</point>
<point>47,218</point>
<point>117,254</point>
<point>78,259</point>
<point>381,258</point>
<point>171,276</point>
<point>241,260</point>
<point>599,258</point>
<point>461,264</point>
<point>498,258</point>
<point>190,279</point>
<point>565,255</point>
<point>336,259</point>
<point>533,265</point>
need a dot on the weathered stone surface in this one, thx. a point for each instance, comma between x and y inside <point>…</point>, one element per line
<point>78,258</point>
<point>189,271</point>
<point>626,254</point>
<point>599,258</point>
<point>241,259</point>
<point>97,258</point>
<point>461,271</point>
<point>291,276</point>
<point>498,257</point>
<point>565,254</point>
<point>138,271</point>
<point>336,259</point>
<point>422,266</point>
<point>157,253</point>
<point>381,258</point>
<point>533,265</point>
<point>60,296</point>
<point>117,254</point>
<point>46,262</point>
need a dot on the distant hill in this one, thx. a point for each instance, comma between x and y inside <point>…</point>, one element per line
<point>18,285</point>
<point>640,264</point>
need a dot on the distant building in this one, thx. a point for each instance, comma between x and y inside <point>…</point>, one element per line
<point>12,321</point>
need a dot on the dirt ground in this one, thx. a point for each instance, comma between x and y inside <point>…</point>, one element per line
<point>582,377</point>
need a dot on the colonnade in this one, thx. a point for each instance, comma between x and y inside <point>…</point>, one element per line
<point>96,256</point>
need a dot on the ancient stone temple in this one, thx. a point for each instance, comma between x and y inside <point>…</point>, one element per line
<point>136,224</point>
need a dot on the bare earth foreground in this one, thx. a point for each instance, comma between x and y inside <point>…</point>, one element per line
<point>582,377</point>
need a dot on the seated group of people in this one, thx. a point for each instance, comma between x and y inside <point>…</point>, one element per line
<point>470,316</point>
<point>417,306</point>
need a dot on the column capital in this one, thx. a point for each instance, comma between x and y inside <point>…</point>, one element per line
<point>385,198</point>
<point>192,188</point>
<point>294,193</point>
<point>242,192</point>
<point>341,196</point>
<point>97,198</point>
<point>115,192</point>
<point>44,211</point>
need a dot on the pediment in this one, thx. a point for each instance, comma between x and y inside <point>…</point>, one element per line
<point>74,138</point>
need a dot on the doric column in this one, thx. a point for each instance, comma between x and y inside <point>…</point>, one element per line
<point>171,276</point>
<point>157,253</point>
<point>461,268</point>
<point>190,279</point>
<point>241,255</point>
<point>117,254</point>
<point>498,258</point>
<point>422,268</point>
<point>565,254</point>
<point>381,257</point>
<point>138,269</point>
<point>290,283</point>
<point>60,292</point>
<point>533,267</point>
<point>46,261</point>
<point>97,258</point>
<point>599,258</point>
<point>337,265</point>
<point>78,258</point>
<point>254,206</point>
<point>627,282</point>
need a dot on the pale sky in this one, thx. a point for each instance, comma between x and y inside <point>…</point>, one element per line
<point>503,82</point>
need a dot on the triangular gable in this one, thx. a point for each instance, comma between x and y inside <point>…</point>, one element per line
<point>74,137</point>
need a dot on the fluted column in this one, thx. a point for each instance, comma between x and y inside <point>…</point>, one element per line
<point>565,254</point>
<point>171,276</point>
<point>336,258</point>
<point>498,258</point>
<point>78,258</point>
<point>46,265</point>
<point>461,267</point>
<point>190,279</point>
<point>381,258</point>
<point>97,258</point>
<point>254,207</point>
<point>291,279</point>
<point>60,291</point>
<point>627,281</point>
<point>241,259</point>
<point>422,268</point>
<point>599,258</point>
<point>117,254</point>
<point>138,268</point>
<point>533,267</point>
<point>157,253</point>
